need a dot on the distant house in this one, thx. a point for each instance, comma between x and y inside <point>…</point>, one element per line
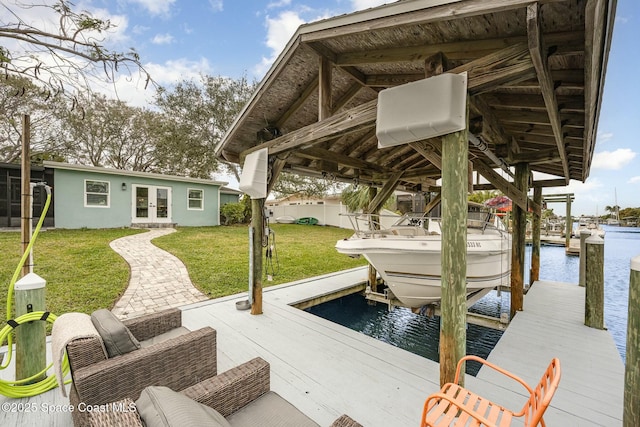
<point>96,197</point>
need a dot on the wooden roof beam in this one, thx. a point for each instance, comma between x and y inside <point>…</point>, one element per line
<point>501,68</point>
<point>459,50</point>
<point>537,157</point>
<point>353,120</point>
<point>386,191</point>
<point>539,59</point>
<point>428,150</point>
<point>509,189</point>
<point>276,169</point>
<point>311,88</point>
<point>328,54</point>
<point>405,15</point>
<point>320,153</point>
<point>597,44</point>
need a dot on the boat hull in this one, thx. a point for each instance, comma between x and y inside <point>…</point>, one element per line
<point>412,266</point>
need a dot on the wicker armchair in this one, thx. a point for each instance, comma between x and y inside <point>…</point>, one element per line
<point>228,393</point>
<point>177,362</point>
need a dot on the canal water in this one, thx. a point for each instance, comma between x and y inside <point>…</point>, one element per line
<point>420,334</point>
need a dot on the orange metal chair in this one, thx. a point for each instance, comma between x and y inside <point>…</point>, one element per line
<point>456,406</point>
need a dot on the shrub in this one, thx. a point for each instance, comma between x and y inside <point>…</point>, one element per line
<point>233,213</point>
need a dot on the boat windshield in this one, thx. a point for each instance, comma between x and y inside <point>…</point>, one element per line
<point>417,224</point>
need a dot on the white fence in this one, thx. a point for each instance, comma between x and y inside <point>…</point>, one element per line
<point>334,215</point>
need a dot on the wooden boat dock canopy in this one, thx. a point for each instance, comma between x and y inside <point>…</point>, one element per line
<point>536,74</point>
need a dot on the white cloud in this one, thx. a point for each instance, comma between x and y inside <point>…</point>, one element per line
<point>605,137</point>
<point>155,7</point>
<point>277,4</point>
<point>140,29</point>
<point>279,31</point>
<point>613,160</point>
<point>634,180</point>
<point>131,89</point>
<point>366,4</point>
<point>216,5</point>
<point>162,39</point>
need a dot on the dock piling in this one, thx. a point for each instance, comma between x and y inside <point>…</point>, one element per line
<point>594,282</point>
<point>584,235</point>
<point>631,413</point>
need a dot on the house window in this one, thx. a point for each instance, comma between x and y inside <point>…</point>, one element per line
<point>96,194</point>
<point>195,200</point>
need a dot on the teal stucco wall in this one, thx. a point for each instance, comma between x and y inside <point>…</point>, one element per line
<point>71,212</point>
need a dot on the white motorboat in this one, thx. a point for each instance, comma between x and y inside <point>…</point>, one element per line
<point>408,255</point>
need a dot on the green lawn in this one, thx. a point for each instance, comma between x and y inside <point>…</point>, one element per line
<point>218,257</point>
<point>83,273</point>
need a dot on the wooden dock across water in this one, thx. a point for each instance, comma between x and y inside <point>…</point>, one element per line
<point>326,370</point>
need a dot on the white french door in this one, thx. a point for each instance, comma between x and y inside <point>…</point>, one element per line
<point>151,204</point>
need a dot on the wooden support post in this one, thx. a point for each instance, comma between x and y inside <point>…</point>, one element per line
<point>518,242</point>
<point>324,88</point>
<point>584,235</point>
<point>29,294</point>
<point>257,223</point>
<point>25,205</point>
<point>568,224</point>
<point>453,334</point>
<point>534,274</point>
<point>594,282</point>
<point>373,274</point>
<point>631,412</point>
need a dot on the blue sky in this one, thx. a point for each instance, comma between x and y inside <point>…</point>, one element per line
<point>181,39</point>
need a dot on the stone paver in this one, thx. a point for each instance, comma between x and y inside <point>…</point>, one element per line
<point>158,279</point>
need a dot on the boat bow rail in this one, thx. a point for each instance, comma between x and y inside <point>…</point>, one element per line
<point>367,225</point>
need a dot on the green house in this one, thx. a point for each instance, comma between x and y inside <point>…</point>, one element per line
<point>96,197</point>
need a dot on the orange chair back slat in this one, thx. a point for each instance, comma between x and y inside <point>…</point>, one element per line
<point>454,403</point>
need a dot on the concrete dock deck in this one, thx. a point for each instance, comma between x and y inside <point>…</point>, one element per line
<point>326,370</point>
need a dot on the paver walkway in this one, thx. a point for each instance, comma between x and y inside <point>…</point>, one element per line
<point>158,279</point>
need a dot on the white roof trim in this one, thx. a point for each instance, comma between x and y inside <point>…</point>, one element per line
<point>111,171</point>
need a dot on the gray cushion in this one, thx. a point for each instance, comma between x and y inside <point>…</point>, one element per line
<point>162,407</point>
<point>172,333</point>
<point>116,336</point>
<point>270,410</point>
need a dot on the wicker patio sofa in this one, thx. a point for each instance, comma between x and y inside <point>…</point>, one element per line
<point>241,395</point>
<point>170,356</point>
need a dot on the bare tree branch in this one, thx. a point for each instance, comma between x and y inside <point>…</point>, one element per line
<point>67,58</point>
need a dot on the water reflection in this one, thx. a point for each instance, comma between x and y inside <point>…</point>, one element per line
<point>401,328</point>
<point>420,335</point>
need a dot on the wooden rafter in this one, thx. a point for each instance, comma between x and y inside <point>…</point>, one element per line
<point>325,69</point>
<point>492,131</point>
<point>595,47</point>
<point>539,59</point>
<point>428,151</point>
<point>360,117</point>
<point>506,66</point>
<point>276,169</point>
<point>348,96</point>
<point>320,153</point>
<point>508,188</point>
<point>459,50</point>
<point>385,192</point>
<point>537,157</point>
<point>306,93</point>
<point>444,12</point>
